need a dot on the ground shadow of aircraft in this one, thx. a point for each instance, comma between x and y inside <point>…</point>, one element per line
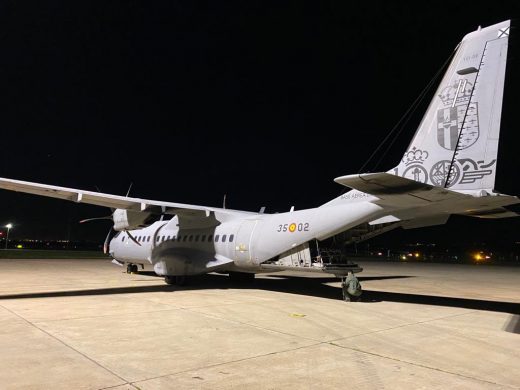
<point>315,287</point>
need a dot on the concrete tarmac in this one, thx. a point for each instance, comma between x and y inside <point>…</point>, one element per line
<point>84,324</point>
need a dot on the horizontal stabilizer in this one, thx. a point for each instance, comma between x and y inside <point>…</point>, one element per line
<point>433,220</point>
<point>385,185</point>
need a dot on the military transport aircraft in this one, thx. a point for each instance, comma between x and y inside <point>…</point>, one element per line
<point>448,168</point>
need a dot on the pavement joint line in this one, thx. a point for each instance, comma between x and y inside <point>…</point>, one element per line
<point>66,345</point>
<point>103,316</point>
<point>322,341</point>
<point>227,362</point>
<point>252,325</point>
<point>421,365</point>
<point>113,387</point>
<point>403,326</point>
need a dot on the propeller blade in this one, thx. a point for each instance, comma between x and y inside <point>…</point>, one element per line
<point>132,238</point>
<point>95,219</point>
<point>107,242</point>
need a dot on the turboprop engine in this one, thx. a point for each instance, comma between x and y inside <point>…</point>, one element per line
<point>128,219</point>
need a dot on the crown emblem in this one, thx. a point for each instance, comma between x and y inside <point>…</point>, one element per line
<point>415,155</point>
<point>462,86</point>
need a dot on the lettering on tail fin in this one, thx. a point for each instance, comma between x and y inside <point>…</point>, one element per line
<point>458,112</point>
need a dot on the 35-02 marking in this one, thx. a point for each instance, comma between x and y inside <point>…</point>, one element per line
<point>293,227</point>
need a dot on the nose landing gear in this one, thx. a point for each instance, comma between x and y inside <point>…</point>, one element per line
<point>132,269</point>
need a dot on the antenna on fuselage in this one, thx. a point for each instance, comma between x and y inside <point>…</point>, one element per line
<point>129,188</point>
<point>224,202</point>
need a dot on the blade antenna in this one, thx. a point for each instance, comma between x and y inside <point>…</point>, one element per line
<point>129,188</point>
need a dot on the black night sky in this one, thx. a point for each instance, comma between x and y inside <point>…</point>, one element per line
<point>265,102</point>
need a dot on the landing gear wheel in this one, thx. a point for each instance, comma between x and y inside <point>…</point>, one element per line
<point>351,288</point>
<point>132,269</point>
<point>169,279</point>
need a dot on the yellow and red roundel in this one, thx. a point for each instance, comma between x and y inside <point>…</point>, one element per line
<point>292,227</point>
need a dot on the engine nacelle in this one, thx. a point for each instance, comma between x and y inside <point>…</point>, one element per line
<point>128,219</point>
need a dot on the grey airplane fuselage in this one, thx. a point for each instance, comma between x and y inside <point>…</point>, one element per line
<point>241,242</point>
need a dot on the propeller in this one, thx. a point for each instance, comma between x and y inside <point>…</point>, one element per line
<point>132,237</point>
<point>107,241</point>
<point>111,217</point>
<point>96,219</point>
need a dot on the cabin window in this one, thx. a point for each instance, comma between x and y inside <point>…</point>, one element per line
<point>163,238</point>
<point>203,238</point>
<point>123,238</point>
<point>191,238</point>
<point>174,238</point>
<point>184,238</point>
<point>158,238</point>
<point>216,238</point>
<point>168,238</point>
<point>148,239</point>
<point>224,238</point>
<point>231,237</point>
<point>210,238</point>
<point>197,238</point>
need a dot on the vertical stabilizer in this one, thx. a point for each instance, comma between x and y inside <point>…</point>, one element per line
<point>456,144</point>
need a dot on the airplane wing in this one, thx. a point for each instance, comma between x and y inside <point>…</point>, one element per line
<point>108,200</point>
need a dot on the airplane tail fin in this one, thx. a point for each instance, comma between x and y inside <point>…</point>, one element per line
<point>456,144</point>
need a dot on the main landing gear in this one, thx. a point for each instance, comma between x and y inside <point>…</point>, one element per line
<point>241,276</point>
<point>132,269</point>
<point>351,288</point>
